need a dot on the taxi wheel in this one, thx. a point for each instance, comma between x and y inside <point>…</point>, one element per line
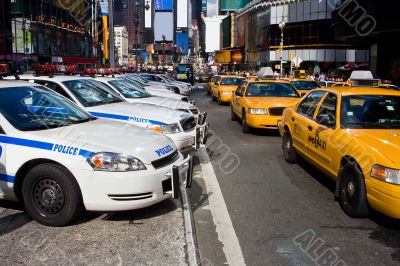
<point>233,115</point>
<point>213,98</point>
<point>245,127</point>
<point>352,193</point>
<point>288,149</point>
<point>51,195</point>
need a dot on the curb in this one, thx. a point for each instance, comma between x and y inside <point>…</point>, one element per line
<point>192,250</point>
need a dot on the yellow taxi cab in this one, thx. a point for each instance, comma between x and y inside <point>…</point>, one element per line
<point>353,135</point>
<point>260,104</point>
<point>304,85</point>
<point>225,87</point>
<point>214,80</point>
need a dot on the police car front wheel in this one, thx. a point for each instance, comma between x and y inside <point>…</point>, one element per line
<point>51,195</point>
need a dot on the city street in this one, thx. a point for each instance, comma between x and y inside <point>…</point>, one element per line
<point>274,205</point>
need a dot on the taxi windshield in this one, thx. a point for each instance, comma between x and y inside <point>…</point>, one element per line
<point>128,90</point>
<point>305,85</point>
<point>231,81</point>
<point>92,93</point>
<point>265,89</point>
<point>371,112</point>
<point>37,108</point>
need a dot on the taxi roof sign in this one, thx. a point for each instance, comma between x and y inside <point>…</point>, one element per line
<point>266,73</point>
<point>361,74</point>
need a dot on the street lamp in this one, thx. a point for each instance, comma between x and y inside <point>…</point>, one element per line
<point>139,33</point>
<point>281,26</point>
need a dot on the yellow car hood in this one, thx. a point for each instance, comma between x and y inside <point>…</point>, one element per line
<point>267,102</point>
<point>384,141</point>
<point>228,87</point>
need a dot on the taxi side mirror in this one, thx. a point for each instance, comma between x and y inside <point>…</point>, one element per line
<point>238,93</point>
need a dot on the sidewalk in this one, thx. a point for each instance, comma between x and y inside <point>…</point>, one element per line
<point>152,236</point>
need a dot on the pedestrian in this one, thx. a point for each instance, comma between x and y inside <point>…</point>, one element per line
<point>322,77</point>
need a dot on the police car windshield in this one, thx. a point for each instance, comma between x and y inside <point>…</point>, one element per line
<point>305,85</point>
<point>129,91</point>
<point>371,112</point>
<point>37,108</point>
<point>231,81</point>
<point>135,83</point>
<point>264,89</point>
<point>92,93</point>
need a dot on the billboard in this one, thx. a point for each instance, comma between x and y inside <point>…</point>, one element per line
<point>104,7</point>
<point>163,5</point>
<point>163,26</point>
<point>182,43</point>
<point>237,56</point>
<point>182,16</point>
<point>222,57</point>
<point>225,5</point>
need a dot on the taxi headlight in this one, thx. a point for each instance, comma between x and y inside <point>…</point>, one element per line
<point>227,93</point>
<point>115,162</point>
<point>385,174</point>
<point>258,111</point>
<point>166,129</point>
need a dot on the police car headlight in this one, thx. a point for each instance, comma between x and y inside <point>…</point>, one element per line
<point>166,129</point>
<point>388,175</point>
<point>258,111</point>
<point>109,161</point>
<point>171,129</point>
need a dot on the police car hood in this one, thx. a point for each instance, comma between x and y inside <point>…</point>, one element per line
<point>110,136</point>
<point>384,141</point>
<point>268,102</point>
<point>165,102</point>
<point>137,112</point>
<point>164,93</point>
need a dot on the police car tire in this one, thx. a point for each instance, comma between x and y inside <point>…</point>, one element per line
<point>288,150</point>
<point>355,205</point>
<point>176,90</point>
<point>233,115</point>
<point>72,196</point>
<point>245,128</point>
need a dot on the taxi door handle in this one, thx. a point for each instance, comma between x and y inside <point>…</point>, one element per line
<point>310,128</point>
<point>293,119</point>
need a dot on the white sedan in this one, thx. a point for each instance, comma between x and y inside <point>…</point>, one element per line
<point>60,160</point>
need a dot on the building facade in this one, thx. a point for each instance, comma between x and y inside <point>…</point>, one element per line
<point>307,34</point>
<point>33,31</point>
<point>121,44</point>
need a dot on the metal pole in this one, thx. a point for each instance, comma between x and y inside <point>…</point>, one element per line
<point>137,36</point>
<point>111,32</point>
<point>281,50</point>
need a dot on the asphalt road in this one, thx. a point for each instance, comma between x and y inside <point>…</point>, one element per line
<point>282,214</point>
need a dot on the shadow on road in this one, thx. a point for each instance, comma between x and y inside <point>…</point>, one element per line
<point>159,209</point>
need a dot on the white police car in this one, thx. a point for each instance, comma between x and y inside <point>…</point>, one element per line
<point>152,89</point>
<point>101,101</point>
<point>60,160</point>
<point>135,95</point>
<point>183,88</point>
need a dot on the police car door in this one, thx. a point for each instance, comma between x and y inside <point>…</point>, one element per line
<point>4,178</point>
<point>302,120</point>
<point>321,132</point>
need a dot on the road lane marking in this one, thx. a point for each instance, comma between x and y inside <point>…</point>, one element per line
<point>224,227</point>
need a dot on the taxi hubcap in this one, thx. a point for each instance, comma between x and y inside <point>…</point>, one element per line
<point>48,196</point>
<point>350,189</point>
